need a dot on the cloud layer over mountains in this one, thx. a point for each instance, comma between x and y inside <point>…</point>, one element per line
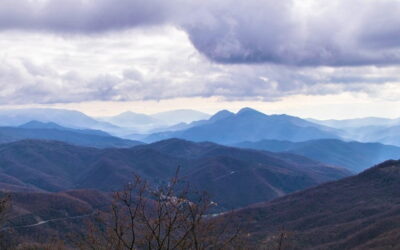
<point>133,50</point>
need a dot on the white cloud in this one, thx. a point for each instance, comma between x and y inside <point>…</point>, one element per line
<point>158,64</point>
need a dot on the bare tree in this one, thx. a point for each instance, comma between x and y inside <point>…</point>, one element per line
<point>143,217</point>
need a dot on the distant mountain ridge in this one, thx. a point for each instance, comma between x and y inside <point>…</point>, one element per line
<point>53,131</point>
<point>158,121</point>
<point>67,118</point>
<point>370,129</point>
<point>383,134</point>
<point>248,125</point>
<point>52,125</point>
<point>180,116</point>
<point>354,156</point>
<point>137,121</point>
<point>224,127</point>
<point>41,125</point>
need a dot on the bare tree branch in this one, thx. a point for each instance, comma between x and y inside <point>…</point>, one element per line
<point>165,217</point>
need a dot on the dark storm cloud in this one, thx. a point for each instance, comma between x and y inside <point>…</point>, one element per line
<point>288,32</point>
<point>83,16</point>
<point>331,33</point>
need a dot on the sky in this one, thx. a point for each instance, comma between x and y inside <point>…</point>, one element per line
<point>310,58</point>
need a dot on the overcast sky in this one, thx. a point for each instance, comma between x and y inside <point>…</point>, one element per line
<point>312,58</point>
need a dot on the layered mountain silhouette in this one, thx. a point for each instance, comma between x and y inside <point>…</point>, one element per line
<point>52,125</point>
<point>360,212</point>
<point>385,134</point>
<point>66,118</point>
<point>249,125</point>
<point>224,127</point>
<point>138,122</point>
<point>354,156</point>
<point>155,122</point>
<point>234,177</point>
<point>370,129</point>
<point>180,116</point>
<point>184,126</point>
<point>53,131</point>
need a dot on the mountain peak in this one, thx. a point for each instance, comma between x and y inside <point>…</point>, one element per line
<point>34,124</point>
<point>248,110</point>
<point>221,115</point>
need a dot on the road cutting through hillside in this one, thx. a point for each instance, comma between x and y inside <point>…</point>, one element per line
<point>48,221</point>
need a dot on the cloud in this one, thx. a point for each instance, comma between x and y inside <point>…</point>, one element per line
<point>256,50</point>
<point>81,16</point>
<point>302,33</point>
<point>288,32</point>
<point>25,82</point>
